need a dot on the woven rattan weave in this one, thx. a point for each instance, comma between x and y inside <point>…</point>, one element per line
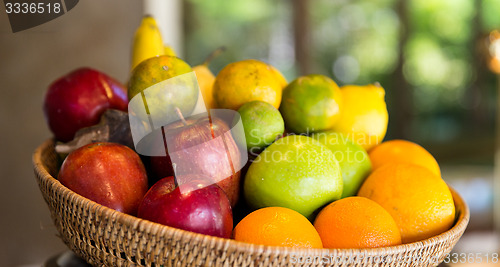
<point>104,237</point>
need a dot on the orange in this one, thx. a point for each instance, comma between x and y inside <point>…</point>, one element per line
<point>155,70</point>
<point>277,226</point>
<point>399,151</point>
<point>311,103</point>
<point>419,201</point>
<point>245,81</point>
<point>356,222</point>
<point>165,84</point>
<point>279,77</point>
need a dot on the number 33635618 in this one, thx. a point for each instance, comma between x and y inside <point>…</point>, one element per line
<point>32,8</point>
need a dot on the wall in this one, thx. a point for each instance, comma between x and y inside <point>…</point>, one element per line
<point>91,34</point>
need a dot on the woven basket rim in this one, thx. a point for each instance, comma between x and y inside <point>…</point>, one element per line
<point>461,221</point>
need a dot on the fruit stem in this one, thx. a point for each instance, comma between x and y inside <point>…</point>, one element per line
<point>179,113</point>
<point>377,84</point>
<point>174,166</point>
<point>213,55</point>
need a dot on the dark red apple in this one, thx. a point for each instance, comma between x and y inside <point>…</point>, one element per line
<point>204,146</point>
<point>197,205</point>
<point>108,173</point>
<point>78,99</point>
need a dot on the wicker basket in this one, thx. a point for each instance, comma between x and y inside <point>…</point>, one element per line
<point>104,237</point>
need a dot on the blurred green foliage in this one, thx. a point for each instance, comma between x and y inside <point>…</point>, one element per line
<point>359,42</point>
<point>242,26</point>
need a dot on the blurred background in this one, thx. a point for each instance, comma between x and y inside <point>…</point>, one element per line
<point>439,62</point>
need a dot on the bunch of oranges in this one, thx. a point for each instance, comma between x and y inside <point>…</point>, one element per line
<point>403,200</point>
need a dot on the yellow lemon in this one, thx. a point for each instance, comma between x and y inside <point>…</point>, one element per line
<point>206,78</point>
<point>364,116</point>
<point>206,81</point>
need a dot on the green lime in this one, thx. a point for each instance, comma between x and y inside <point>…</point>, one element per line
<point>353,160</point>
<point>262,123</point>
<point>295,172</point>
<point>311,103</point>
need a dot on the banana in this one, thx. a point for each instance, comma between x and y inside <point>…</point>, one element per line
<point>147,42</point>
<point>169,51</point>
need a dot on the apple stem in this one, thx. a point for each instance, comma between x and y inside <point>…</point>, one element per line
<point>179,113</point>
<point>174,166</point>
<point>213,55</point>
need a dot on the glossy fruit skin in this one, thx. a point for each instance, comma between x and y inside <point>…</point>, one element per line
<point>78,99</point>
<point>108,173</point>
<point>147,42</point>
<point>210,159</point>
<point>364,117</point>
<point>353,160</point>
<point>356,222</point>
<point>205,209</point>
<point>277,226</point>
<point>162,100</point>
<point>262,124</point>
<point>245,81</point>
<point>206,81</point>
<point>403,151</point>
<point>279,76</point>
<point>419,201</point>
<point>295,172</point>
<point>154,70</point>
<point>311,103</point>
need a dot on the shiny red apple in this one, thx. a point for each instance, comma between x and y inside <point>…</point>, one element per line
<point>204,146</point>
<point>78,99</point>
<point>110,174</point>
<point>197,205</point>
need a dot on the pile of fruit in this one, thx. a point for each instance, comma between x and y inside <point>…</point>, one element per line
<point>318,174</point>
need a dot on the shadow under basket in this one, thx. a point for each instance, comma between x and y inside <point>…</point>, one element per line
<point>105,237</point>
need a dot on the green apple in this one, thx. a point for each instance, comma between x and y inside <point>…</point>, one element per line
<point>295,172</point>
<point>353,160</point>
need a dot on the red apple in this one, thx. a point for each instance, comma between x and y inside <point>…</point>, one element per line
<point>198,205</point>
<point>78,99</point>
<point>203,146</point>
<point>108,173</point>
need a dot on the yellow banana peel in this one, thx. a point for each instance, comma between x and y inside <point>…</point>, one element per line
<point>147,42</point>
<point>169,51</point>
